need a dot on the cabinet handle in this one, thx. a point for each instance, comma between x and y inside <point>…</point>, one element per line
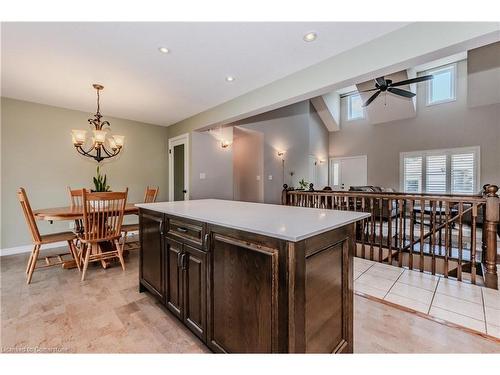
<point>182,230</point>
<point>184,261</point>
<point>179,260</point>
<point>206,241</point>
<point>161,227</point>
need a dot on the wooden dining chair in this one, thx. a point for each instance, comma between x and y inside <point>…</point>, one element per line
<point>149,197</point>
<point>39,240</point>
<point>76,201</point>
<point>102,224</point>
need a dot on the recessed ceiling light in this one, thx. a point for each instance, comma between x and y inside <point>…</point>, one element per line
<point>163,50</point>
<point>229,79</point>
<point>310,37</point>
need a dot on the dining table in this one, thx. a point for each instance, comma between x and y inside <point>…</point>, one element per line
<point>71,213</point>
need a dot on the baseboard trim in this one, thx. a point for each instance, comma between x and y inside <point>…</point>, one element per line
<point>28,248</point>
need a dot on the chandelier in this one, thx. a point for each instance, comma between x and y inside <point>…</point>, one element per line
<point>103,144</point>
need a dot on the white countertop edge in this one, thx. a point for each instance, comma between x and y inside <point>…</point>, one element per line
<point>363,215</point>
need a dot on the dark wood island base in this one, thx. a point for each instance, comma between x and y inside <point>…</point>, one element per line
<point>242,292</point>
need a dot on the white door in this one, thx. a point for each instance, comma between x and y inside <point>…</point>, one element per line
<point>178,168</point>
<point>348,171</point>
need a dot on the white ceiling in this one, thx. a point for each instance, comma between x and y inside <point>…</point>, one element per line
<point>56,63</point>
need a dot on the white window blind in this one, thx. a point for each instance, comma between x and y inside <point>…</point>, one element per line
<point>453,171</point>
<point>413,174</point>
<point>462,173</point>
<point>435,174</point>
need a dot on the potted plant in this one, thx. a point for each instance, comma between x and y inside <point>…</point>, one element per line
<point>100,183</point>
<point>100,186</point>
<point>303,184</point>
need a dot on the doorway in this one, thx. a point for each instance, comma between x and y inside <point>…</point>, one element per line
<point>178,168</point>
<point>348,171</point>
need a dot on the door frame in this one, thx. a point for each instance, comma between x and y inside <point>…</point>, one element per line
<point>172,142</point>
<point>340,158</point>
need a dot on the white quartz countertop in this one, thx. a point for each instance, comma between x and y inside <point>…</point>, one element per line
<point>283,222</point>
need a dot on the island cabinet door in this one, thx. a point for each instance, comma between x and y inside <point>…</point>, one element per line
<point>151,254</point>
<point>194,264</point>
<point>173,277</point>
<point>243,295</point>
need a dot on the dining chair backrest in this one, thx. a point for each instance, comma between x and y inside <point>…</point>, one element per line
<point>150,195</point>
<point>28,215</point>
<point>75,197</point>
<point>103,215</point>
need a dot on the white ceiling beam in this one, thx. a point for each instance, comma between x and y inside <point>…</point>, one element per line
<point>328,108</point>
<point>412,45</point>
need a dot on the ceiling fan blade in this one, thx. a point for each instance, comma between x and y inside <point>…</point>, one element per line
<point>412,80</point>
<point>380,81</point>
<point>371,99</point>
<point>368,90</point>
<point>406,94</point>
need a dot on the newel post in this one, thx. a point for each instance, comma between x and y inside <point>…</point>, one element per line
<point>284,195</point>
<point>490,223</point>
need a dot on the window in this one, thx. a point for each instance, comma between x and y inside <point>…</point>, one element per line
<point>441,88</point>
<point>453,171</point>
<point>413,174</point>
<point>355,107</point>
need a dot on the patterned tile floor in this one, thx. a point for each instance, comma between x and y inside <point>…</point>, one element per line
<point>464,304</point>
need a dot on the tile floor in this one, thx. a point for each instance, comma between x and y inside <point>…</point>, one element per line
<point>457,302</point>
<point>107,314</point>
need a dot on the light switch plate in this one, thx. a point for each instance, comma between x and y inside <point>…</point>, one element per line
<point>203,176</point>
<point>270,177</point>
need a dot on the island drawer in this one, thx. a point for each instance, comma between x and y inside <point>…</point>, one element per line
<point>191,231</point>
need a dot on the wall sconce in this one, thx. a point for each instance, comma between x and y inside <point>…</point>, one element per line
<point>281,154</point>
<point>321,161</point>
<point>225,144</point>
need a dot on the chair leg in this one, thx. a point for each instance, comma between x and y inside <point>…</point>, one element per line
<point>72,249</point>
<point>86,263</point>
<point>30,259</point>
<point>119,247</point>
<point>33,263</point>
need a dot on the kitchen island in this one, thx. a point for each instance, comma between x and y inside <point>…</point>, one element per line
<point>250,277</point>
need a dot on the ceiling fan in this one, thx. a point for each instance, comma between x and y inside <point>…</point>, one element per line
<point>383,85</point>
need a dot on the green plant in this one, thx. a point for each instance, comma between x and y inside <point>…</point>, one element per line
<point>303,184</point>
<point>100,182</point>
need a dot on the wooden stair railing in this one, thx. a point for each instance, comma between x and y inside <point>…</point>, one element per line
<point>438,233</point>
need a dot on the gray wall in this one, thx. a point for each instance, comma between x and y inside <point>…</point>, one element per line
<point>248,165</point>
<point>37,154</point>
<point>284,129</point>
<point>207,156</point>
<point>446,125</point>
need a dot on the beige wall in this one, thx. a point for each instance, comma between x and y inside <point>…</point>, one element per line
<point>445,125</point>
<point>37,154</point>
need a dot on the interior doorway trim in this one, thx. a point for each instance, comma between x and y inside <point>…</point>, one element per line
<point>175,141</point>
